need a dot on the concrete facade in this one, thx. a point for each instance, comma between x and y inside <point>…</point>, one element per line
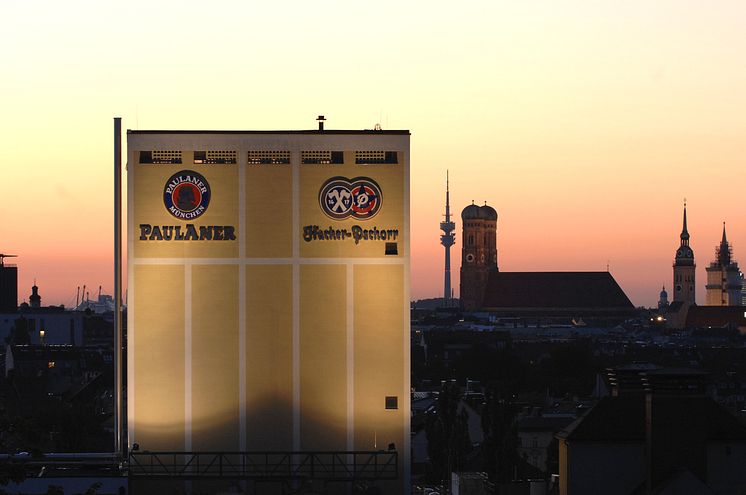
<point>279,321</point>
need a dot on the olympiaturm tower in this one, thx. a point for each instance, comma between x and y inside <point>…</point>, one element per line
<point>447,240</point>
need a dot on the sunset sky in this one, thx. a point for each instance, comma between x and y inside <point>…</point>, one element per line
<point>585,124</point>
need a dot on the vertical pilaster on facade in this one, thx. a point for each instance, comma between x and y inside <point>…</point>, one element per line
<point>478,253</point>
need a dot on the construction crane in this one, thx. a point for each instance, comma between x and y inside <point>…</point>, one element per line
<point>3,256</point>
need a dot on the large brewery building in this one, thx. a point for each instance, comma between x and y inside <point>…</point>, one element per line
<point>268,292</point>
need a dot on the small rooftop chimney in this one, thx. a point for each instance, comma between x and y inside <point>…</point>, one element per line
<point>321,120</point>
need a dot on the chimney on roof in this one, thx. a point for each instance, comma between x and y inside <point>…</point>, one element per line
<point>321,120</point>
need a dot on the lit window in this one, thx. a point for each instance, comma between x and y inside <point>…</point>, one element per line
<point>51,364</point>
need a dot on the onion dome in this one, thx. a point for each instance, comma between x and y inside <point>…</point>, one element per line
<point>471,212</point>
<point>487,213</point>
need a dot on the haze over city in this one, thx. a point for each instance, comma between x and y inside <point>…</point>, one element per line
<point>584,125</point>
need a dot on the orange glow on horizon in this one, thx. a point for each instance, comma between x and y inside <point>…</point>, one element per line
<point>583,125</point>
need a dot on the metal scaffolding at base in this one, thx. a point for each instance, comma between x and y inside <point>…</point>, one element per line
<point>291,472</point>
<point>342,466</point>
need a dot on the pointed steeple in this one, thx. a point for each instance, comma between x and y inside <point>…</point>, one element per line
<point>724,254</point>
<point>684,254</point>
<point>684,231</point>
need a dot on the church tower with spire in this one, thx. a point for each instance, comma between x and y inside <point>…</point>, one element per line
<point>663,300</point>
<point>683,269</point>
<point>35,298</point>
<point>724,281</point>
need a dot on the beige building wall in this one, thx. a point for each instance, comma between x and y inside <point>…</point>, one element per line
<point>714,294</point>
<point>724,286</point>
<point>270,338</point>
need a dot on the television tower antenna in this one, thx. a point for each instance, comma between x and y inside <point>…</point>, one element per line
<point>447,240</point>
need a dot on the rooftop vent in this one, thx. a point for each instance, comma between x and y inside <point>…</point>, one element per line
<point>269,158</point>
<point>160,156</point>
<point>322,157</point>
<point>215,157</point>
<point>374,157</point>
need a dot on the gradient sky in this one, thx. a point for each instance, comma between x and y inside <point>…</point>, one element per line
<point>585,124</point>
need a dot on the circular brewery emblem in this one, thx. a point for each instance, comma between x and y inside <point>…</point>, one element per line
<point>342,198</point>
<point>335,198</point>
<point>186,195</point>
<point>366,198</point>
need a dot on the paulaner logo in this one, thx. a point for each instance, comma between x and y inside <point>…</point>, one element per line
<point>359,198</point>
<point>186,195</point>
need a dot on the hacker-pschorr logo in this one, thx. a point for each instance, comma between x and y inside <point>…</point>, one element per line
<point>359,198</point>
<point>186,195</point>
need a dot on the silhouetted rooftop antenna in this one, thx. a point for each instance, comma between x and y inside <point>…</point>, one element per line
<point>321,120</point>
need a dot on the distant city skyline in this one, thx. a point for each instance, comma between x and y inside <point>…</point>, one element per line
<point>584,126</point>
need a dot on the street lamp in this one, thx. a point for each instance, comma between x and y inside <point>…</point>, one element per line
<point>41,337</point>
